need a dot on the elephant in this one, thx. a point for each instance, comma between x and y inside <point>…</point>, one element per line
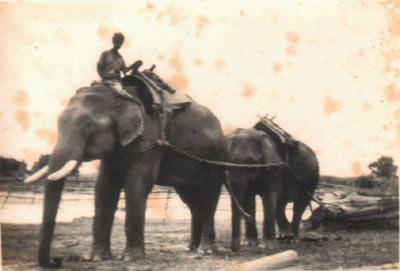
<point>276,186</point>
<point>122,132</point>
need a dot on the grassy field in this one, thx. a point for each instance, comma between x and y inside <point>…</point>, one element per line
<point>166,242</point>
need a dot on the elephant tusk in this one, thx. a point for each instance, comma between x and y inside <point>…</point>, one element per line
<point>64,171</point>
<point>37,176</point>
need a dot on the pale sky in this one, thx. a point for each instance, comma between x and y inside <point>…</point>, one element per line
<point>328,70</point>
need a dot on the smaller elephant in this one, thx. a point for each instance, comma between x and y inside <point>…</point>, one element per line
<point>276,185</point>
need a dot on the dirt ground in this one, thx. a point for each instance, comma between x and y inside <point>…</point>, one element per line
<point>166,242</point>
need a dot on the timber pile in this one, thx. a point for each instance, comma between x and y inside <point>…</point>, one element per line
<point>351,205</point>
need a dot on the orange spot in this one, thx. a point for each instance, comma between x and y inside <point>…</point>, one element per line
<point>392,92</point>
<point>64,102</point>
<point>289,64</point>
<point>290,51</point>
<point>175,63</point>
<point>220,64</point>
<point>385,127</point>
<point>356,168</point>
<point>276,67</point>
<point>179,82</point>
<point>292,37</point>
<point>397,114</point>
<point>242,12</point>
<point>331,105</point>
<point>37,114</point>
<point>156,204</point>
<point>292,99</point>
<point>22,117</point>
<point>227,129</point>
<point>198,62</point>
<point>247,91</point>
<point>104,33</point>
<point>160,57</point>
<point>30,155</point>
<point>21,99</point>
<point>46,134</point>
<point>149,5</point>
<point>366,106</point>
<point>202,22</point>
<point>95,164</point>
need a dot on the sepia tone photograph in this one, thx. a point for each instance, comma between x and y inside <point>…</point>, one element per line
<point>200,135</point>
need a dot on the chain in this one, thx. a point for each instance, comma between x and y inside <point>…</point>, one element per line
<point>297,178</point>
<point>162,143</point>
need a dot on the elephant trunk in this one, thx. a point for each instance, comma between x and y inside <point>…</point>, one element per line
<point>52,200</point>
<point>59,166</point>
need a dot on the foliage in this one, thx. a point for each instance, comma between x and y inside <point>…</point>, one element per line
<point>10,167</point>
<point>384,167</point>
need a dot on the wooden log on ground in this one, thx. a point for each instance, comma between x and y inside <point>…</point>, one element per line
<point>394,266</point>
<point>273,262</point>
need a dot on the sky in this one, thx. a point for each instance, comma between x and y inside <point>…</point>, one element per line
<point>328,70</point>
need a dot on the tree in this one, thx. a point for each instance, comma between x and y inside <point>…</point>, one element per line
<point>384,167</point>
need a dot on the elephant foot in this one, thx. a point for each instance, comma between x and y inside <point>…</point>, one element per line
<point>252,242</point>
<point>290,239</point>
<point>51,263</point>
<point>132,254</point>
<point>98,254</point>
<point>208,248</point>
<point>269,244</point>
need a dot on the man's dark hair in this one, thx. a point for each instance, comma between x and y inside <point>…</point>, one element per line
<point>118,36</point>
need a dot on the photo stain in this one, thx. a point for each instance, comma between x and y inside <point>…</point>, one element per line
<point>21,98</point>
<point>201,23</point>
<point>392,92</point>
<point>64,102</point>
<point>22,118</point>
<point>179,82</point>
<point>95,164</point>
<point>175,63</point>
<point>156,204</point>
<point>366,106</point>
<point>356,168</point>
<point>198,62</point>
<point>160,56</point>
<point>291,51</point>
<point>292,37</point>
<point>46,134</point>
<point>331,105</point>
<point>276,67</point>
<point>220,64</point>
<point>241,13</point>
<point>104,33</point>
<point>397,114</point>
<point>248,91</point>
<point>227,129</point>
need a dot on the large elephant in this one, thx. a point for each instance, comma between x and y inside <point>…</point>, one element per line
<point>98,124</point>
<point>276,186</point>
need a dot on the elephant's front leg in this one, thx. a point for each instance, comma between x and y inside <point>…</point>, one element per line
<point>138,183</point>
<point>108,188</point>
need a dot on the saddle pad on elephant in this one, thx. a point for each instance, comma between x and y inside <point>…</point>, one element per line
<point>270,127</point>
<point>172,99</point>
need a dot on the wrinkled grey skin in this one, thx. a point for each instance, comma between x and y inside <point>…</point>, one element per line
<point>98,125</point>
<point>275,186</point>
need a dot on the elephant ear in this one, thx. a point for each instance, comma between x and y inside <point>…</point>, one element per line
<point>130,121</point>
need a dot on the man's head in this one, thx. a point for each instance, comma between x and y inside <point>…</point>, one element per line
<point>118,39</point>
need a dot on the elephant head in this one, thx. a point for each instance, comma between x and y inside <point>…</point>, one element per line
<point>93,125</point>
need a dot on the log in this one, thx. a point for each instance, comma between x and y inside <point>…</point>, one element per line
<point>273,262</point>
<point>394,266</point>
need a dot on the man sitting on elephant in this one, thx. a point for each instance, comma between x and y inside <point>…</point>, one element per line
<point>111,64</point>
